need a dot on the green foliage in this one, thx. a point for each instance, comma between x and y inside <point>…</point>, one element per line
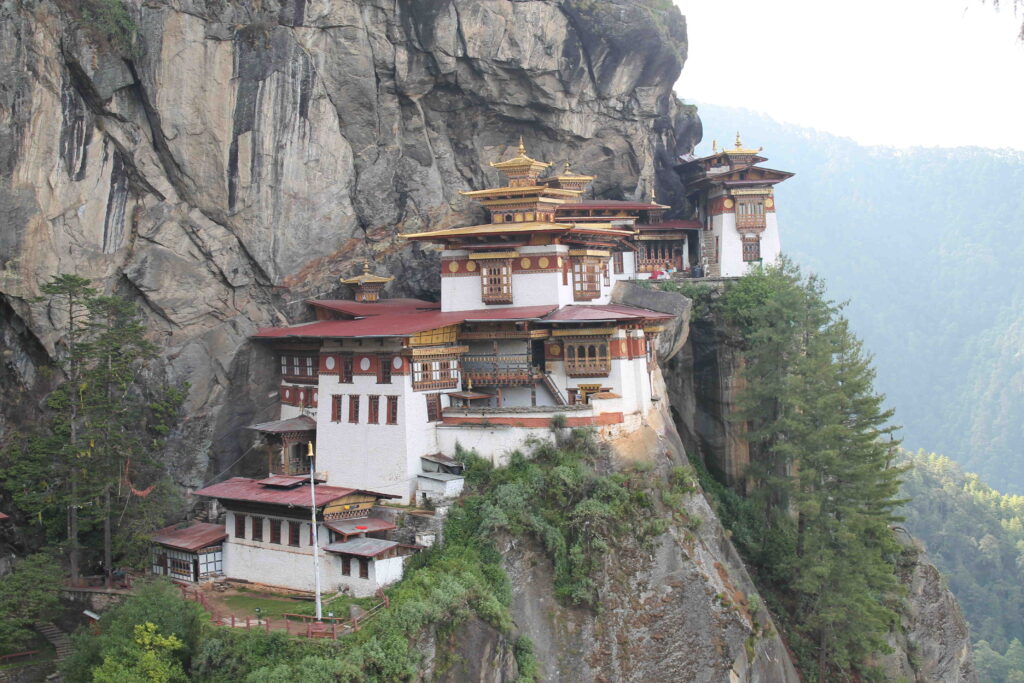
<point>29,594</point>
<point>558,495</point>
<point>820,491</point>
<point>157,604</point>
<point>900,261</point>
<point>101,435</point>
<point>526,663</point>
<point>110,22</point>
<point>975,536</point>
<point>149,658</point>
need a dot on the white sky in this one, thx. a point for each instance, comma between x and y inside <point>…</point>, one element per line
<point>890,72</point>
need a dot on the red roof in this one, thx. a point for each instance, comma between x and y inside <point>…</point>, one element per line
<point>250,490</point>
<point>192,537</point>
<point>609,204</point>
<point>361,309</point>
<point>400,324</point>
<point>670,225</point>
<point>3,516</point>
<point>605,312</point>
<point>360,525</point>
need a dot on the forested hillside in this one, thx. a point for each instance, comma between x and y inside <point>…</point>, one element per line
<point>923,243</point>
<point>975,535</point>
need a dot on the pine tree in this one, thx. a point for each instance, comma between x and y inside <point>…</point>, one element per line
<point>820,470</point>
<point>70,294</point>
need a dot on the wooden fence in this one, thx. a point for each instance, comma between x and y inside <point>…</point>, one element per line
<point>308,626</point>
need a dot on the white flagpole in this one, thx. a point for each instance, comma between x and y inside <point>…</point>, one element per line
<point>316,540</point>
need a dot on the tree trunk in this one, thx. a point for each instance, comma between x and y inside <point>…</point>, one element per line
<point>108,550</point>
<point>73,550</point>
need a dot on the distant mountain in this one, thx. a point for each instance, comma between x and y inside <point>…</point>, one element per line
<point>928,247</point>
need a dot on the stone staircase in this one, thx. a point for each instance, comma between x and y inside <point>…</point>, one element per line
<point>60,641</point>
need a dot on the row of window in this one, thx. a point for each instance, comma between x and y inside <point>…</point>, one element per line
<point>306,367</point>
<point>435,374</point>
<point>293,530</point>
<point>373,413</point>
<point>364,566</point>
<point>587,276</point>
<point>373,408</point>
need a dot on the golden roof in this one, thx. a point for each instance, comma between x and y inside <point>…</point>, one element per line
<point>738,149</point>
<point>515,228</point>
<point>520,161</point>
<point>366,277</point>
<point>524,191</point>
<point>567,174</point>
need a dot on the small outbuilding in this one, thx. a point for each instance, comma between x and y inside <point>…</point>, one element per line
<point>193,553</point>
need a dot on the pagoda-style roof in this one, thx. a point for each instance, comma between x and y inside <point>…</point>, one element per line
<point>496,229</point>
<point>611,204</point>
<point>521,162</point>
<point>366,278</point>
<point>544,192</point>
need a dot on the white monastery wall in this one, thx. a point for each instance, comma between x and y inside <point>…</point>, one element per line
<point>491,443</point>
<point>771,241</point>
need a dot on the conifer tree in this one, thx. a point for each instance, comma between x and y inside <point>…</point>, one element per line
<point>820,473</point>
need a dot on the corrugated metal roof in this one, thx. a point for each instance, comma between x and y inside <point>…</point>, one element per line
<point>191,538</point>
<point>363,547</point>
<point>400,324</point>
<point>603,312</point>
<point>440,476</point>
<point>442,459</point>
<point>250,490</point>
<point>362,525</point>
<point>302,423</point>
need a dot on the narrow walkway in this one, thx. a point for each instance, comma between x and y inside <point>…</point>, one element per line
<point>60,641</point>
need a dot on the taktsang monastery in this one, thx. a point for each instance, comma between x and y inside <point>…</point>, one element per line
<point>386,389</point>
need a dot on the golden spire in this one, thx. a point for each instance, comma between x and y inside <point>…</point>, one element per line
<point>654,194</point>
<point>366,267</point>
<point>568,166</point>
<point>739,142</point>
<point>714,146</point>
<point>522,147</point>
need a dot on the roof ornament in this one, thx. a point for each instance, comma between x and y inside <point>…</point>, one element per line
<point>739,142</point>
<point>568,167</point>
<point>714,146</point>
<point>522,147</point>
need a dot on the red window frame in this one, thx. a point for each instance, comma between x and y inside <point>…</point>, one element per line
<point>392,410</point>
<point>275,531</point>
<point>353,409</point>
<point>239,526</point>
<point>293,534</point>
<point>373,413</point>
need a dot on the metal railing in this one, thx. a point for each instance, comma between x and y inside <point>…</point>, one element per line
<point>499,369</point>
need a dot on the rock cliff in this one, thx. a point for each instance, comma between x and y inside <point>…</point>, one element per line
<point>224,160</point>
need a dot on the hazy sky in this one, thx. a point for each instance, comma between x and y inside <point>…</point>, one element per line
<point>892,72</point>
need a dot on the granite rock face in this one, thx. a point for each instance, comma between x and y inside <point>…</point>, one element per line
<point>243,155</point>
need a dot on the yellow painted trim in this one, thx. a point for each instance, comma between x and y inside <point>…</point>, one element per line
<point>589,252</point>
<point>493,254</point>
<point>585,332</point>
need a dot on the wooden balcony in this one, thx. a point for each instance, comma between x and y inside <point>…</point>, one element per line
<point>596,367</point>
<point>750,222</point>
<point>504,369</point>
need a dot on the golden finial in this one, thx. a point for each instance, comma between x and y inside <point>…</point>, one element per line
<point>654,195</point>
<point>714,146</point>
<point>568,166</point>
<point>469,384</point>
<point>739,142</point>
<point>366,267</point>
<point>522,147</point>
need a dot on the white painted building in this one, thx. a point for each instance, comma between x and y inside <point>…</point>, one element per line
<point>268,535</point>
<point>386,390</point>
<point>736,208</point>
